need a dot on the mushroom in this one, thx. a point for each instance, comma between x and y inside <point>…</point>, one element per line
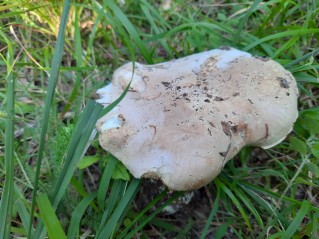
<point>182,120</point>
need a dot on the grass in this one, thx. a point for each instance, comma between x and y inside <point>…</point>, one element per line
<point>7,194</point>
<point>56,181</point>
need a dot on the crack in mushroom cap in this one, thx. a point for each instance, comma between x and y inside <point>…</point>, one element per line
<point>182,120</point>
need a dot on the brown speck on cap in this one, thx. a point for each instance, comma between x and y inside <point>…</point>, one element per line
<point>226,128</point>
<point>226,48</point>
<point>218,98</point>
<point>283,82</point>
<point>211,124</point>
<point>166,84</point>
<point>264,59</point>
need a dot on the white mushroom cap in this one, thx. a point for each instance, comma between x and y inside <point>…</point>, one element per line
<point>182,120</point>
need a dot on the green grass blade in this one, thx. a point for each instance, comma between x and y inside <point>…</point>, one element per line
<point>79,61</point>
<point>116,215</point>
<point>275,195</point>
<point>243,22</point>
<point>152,215</point>
<point>9,6</point>
<point>22,209</point>
<point>79,143</point>
<point>234,199</point>
<point>277,235</point>
<point>76,149</point>
<point>290,43</point>
<point>141,214</point>
<point>222,229</point>
<point>295,224</point>
<point>149,11</point>
<point>53,78</point>
<point>81,190</point>
<point>246,201</point>
<point>289,33</point>
<point>305,57</point>
<point>211,216</point>
<point>90,48</point>
<point>23,213</point>
<point>257,199</point>
<point>315,229</point>
<point>161,223</point>
<point>105,181</point>
<point>117,191</point>
<point>50,220</point>
<point>6,203</point>
<point>77,215</point>
<point>130,29</point>
<point>118,26</point>
<point>9,14</point>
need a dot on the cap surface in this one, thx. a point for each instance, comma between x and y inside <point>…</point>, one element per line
<point>182,120</point>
